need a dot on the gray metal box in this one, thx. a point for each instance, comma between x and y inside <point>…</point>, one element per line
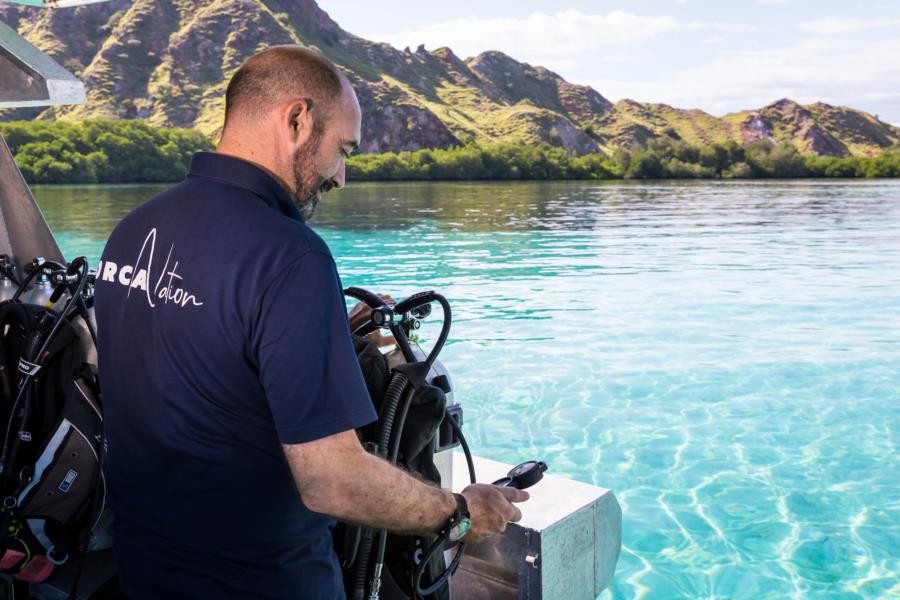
<point>565,547</point>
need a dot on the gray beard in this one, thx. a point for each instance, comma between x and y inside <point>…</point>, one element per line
<point>308,207</point>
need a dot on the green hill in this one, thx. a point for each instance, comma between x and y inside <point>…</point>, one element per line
<point>168,61</point>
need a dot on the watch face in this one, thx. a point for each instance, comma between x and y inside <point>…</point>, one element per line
<point>458,531</point>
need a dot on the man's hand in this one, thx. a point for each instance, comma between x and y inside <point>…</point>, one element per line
<point>491,508</point>
<point>362,312</point>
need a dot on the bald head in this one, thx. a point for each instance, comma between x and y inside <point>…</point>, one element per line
<point>279,74</point>
<point>289,111</point>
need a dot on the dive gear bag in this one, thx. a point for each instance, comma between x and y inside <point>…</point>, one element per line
<point>51,428</point>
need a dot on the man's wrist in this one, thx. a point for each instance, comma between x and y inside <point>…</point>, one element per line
<point>460,523</point>
<point>447,509</point>
<point>457,522</point>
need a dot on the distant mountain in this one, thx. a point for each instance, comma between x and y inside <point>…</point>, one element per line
<point>168,61</point>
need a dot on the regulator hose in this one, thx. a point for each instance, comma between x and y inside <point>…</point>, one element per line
<point>44,266</point>
<point>362,564</point>
<point>457,430</point>
<point>420,299</point>
<point>392,458</point>
<point>392,397</point>
<point>389,411</point>
<point>454,563</point>
<point>364,295</point>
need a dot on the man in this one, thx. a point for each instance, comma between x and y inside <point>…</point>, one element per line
<point>231,388</point>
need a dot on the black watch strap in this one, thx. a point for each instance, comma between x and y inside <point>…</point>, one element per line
<point>438,546</point>
<point>462,507</point>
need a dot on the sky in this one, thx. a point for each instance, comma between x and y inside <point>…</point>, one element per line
<point>720,56</point>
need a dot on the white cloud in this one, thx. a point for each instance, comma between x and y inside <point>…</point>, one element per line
<point>646,57</point>
<point>883,95</point>
<point>846,25</point>
<point>556,64</point>
<point>620,57</point>
<point>834,71</point>
<point>563,33</point>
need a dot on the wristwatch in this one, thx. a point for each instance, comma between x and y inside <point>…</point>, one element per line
<point>460,522</point>
<point>453,531</point>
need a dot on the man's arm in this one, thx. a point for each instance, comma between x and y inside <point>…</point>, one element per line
<point>337,477</point>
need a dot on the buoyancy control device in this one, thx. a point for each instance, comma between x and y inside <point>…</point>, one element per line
<point>410,390</point>
<point>51,425</point>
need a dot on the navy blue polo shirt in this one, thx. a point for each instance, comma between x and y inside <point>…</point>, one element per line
<point>222,335</point>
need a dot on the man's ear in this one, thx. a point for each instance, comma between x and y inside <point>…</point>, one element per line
<point>299,120</point>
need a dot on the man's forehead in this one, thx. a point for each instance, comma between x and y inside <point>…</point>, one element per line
<point>350,117</point>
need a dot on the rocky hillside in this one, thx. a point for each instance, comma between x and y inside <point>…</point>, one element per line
<point>168,61</point>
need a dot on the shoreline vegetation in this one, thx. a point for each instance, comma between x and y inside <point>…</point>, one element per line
<point>131,151</point>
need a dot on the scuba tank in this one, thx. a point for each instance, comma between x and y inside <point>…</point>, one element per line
<point>88,296</point>
<point>87,324</point>
<point>48,288</point>
<point>8,280</point>
<point>59,283</point>
<point>41,288</point>
<point>437,376</point>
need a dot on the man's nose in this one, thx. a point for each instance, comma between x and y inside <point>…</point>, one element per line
<point>341,176</point>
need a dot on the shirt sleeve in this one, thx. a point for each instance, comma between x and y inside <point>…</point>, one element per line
<point>307,365</point>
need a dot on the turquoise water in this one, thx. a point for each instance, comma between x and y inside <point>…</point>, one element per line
<point>725,356</point>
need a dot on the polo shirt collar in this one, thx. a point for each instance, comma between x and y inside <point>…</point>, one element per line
<point>238,172</point>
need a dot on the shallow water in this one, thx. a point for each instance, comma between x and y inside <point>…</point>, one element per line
<point>725,356</point>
